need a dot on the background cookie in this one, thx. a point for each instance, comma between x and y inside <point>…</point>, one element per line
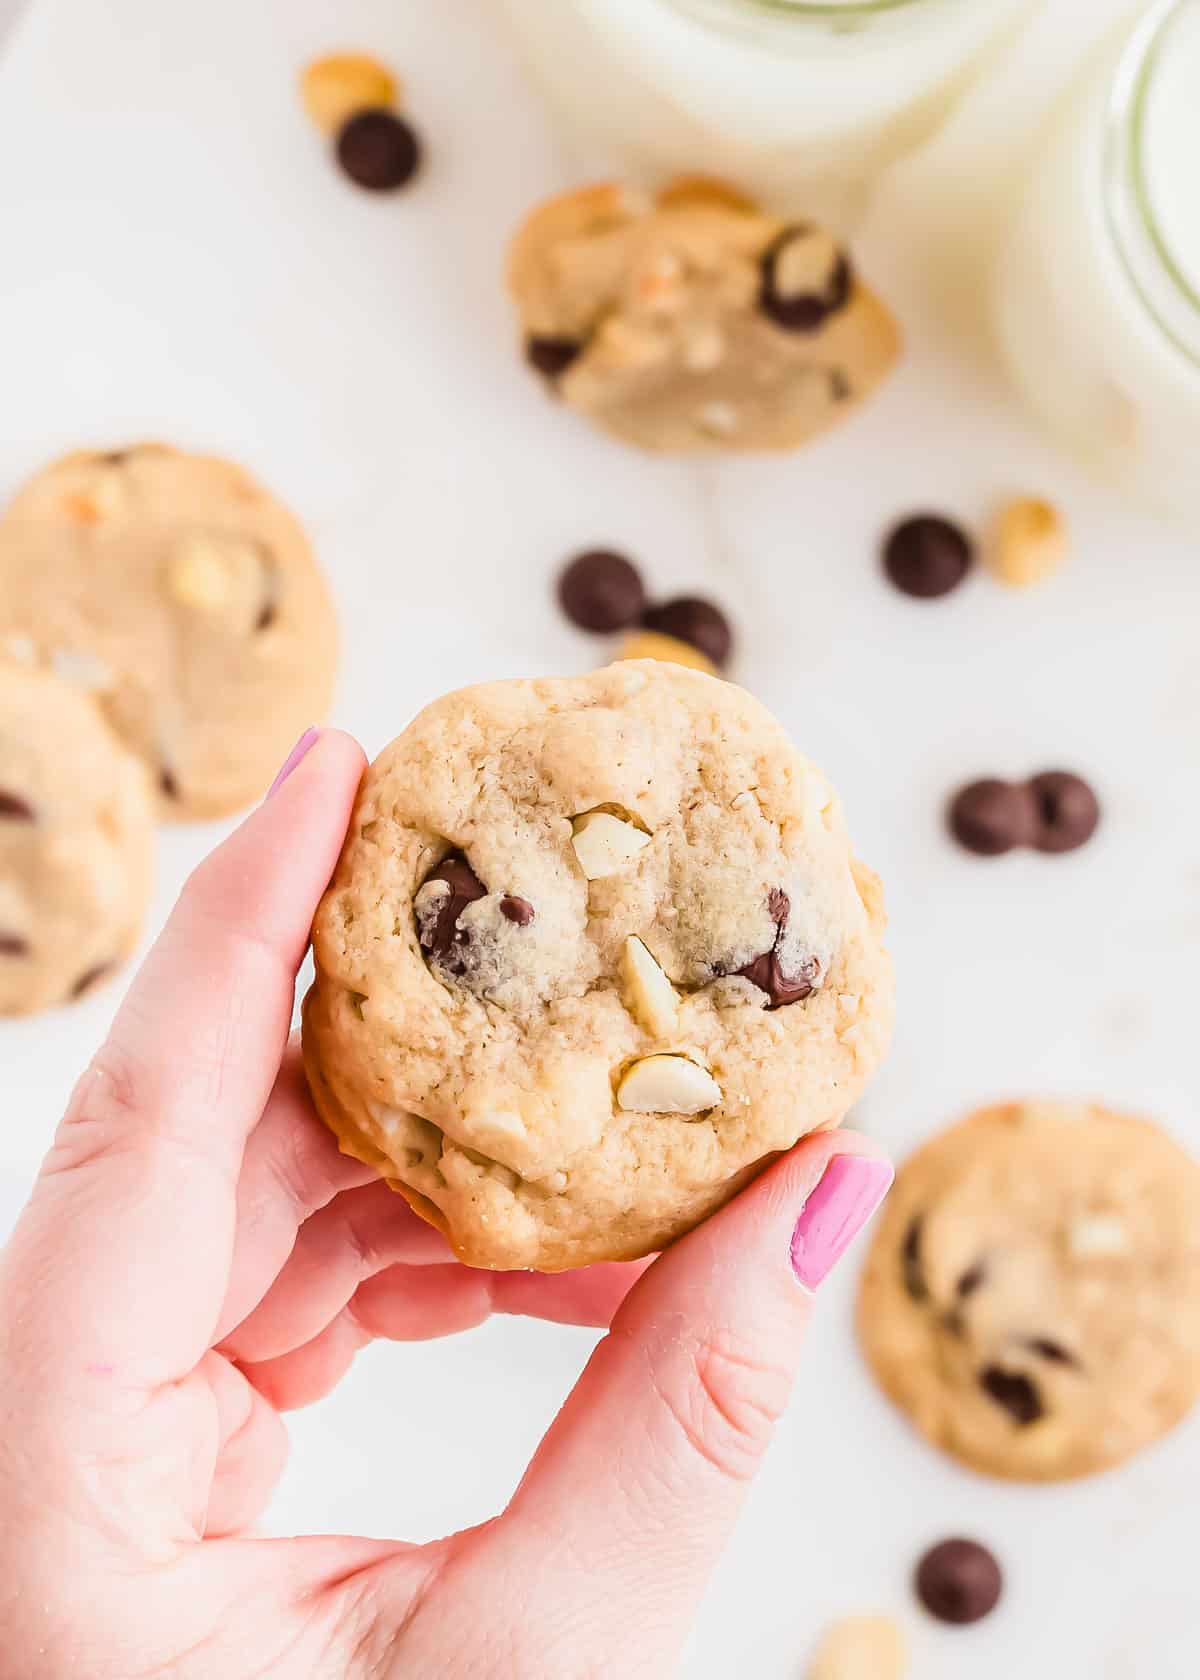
<point>698,324</point>
<point>186,598</point>
<point>1032,1296</point>
<point>594,949</point>
<point>76,843</point>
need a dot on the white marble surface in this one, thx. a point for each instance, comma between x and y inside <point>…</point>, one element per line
<point>180,259</point>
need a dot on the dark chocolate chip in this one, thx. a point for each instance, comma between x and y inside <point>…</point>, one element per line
<point>910,1259</point>
<point>518,910</point>
<point>953,1323</point>
<point>113,458</point>
<point>1068,811</point>
<point>990,817</point>
<point>1050,1350</point>
<point>697,622</point>
<point>971,1280</point>
<point>600,590</point>
<point>12,945</point>
<point>379,150</point>
<point>168,783</point>
<point>839,386</point>
<point>14,809</point>
<point>1015,1392</point>
<point>806,310</point>
<point>90,977</point>
<point>550,356</point>
<point>767,972</point>
<point>959,1581</point>
<point>441,936</point>
<point>266,617</point>
<point>927,556</point>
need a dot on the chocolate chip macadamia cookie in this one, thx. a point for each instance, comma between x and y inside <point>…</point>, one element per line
<point>76,843</point>
<point>595,950</point>
<point>185,597</point>
<point>1032,1296</point>
<point>696,323</point>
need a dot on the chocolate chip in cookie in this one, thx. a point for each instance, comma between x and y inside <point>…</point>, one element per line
<point>910,1262</point>
<point>959,1581</point>
<point>1017,1393</point>
<point>439,904</point>
<point>13,808</point>
<point>91,977</point>
<point>12,945</point>
<point>518,910</point>
<point>806,278</point>
<point>551,355</point>
<point>767,971</point>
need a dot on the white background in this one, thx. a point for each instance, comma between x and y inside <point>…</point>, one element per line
<point>179,258</point>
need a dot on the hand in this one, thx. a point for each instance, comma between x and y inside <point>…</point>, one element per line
<point>197,1257</point>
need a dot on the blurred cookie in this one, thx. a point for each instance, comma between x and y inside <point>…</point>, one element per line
<point>696,323</point>
<point>595,950</point>
<point>76,843</point>
<point>1032,1295</point>
<point>187,599</point>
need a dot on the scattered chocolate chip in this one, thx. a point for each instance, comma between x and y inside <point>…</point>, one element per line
<point>990,817</point>
<point>821,293</point>
<point>910,1257</point>
<point>12,945</point>
<point>90,978</point>
<point>600,590</point>
<point>518,910</point>
<point>698,623</point>
<point>1052,1351</point>
<point>767,972</point>
<point>927,556</point>
<point>168,783</point>
<point>14,809</point>
<point>1068,811</point>
<point>959,1581</point>
<point>1015,1392</point>
<point>113,458</point>
<point>971,1280</point>
<point>440,935</point>
<point>549,356</point>
<point>378,150</point>
<point>953,1322</point>
<point>266,617</point>
<point>839,386</point>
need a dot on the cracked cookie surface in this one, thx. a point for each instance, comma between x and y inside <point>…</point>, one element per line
<point>186,599</point>
<point>76,844</point>
<point>595,949</point>
<point>1032,1295</point>
<point>697,323</point>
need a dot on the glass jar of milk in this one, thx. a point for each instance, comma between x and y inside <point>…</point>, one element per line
<point>1097,285</point>
<point>800,104</point>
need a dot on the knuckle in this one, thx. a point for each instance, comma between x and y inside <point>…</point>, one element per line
<point>101,1112</point>
<point>728,1404</point>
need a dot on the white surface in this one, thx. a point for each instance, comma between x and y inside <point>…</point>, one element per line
<point>180,259</point>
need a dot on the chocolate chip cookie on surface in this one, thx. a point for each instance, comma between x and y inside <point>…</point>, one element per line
<point>696,323</point>
<point>1032,1295</point>
<point>186,598</point>
<point>596,948</point>
<point>76,843</point>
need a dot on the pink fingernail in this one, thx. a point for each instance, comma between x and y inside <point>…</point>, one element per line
<point>851,1188</point>
<point>306,742</point>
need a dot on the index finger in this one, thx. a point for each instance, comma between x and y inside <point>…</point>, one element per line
<point>126,1243</point>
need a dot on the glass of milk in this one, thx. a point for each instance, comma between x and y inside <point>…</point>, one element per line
<point>1097,284</point>
<point>800,104</point>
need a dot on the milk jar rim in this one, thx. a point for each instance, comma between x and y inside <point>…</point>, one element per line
<point>797,23</point>
<point>1148,264</point>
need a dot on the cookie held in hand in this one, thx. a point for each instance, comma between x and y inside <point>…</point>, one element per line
<point>595,950</point>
